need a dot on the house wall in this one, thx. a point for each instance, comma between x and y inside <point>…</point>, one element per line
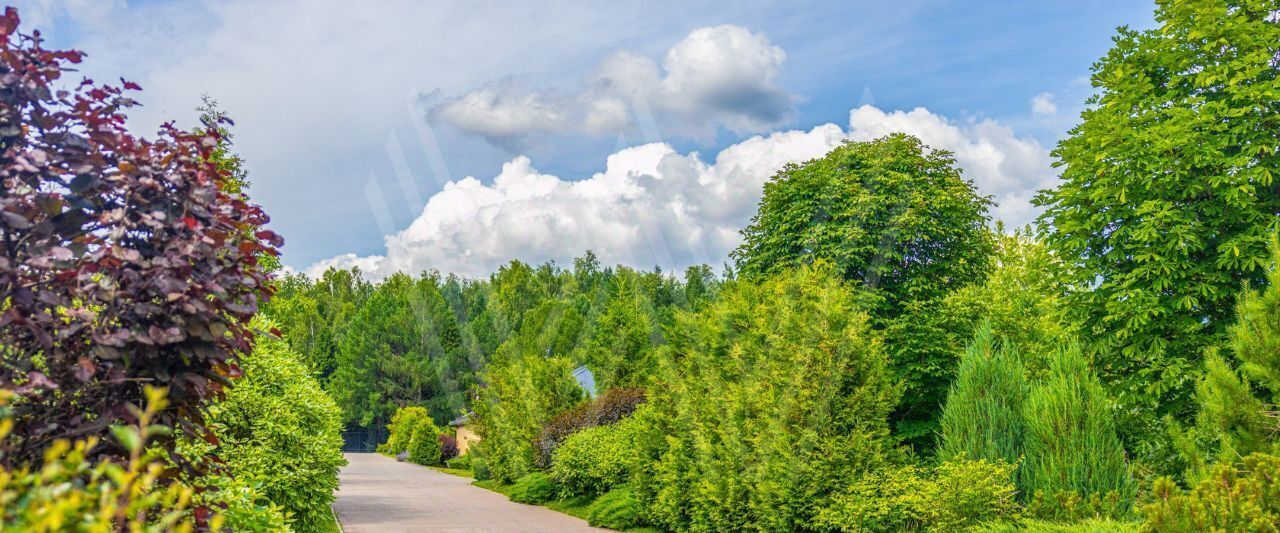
<point>465,437</point>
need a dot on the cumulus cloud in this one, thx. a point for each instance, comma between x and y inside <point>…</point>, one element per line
<point>716,76</point>
<point>653,205</point>
<point>1042,105</point>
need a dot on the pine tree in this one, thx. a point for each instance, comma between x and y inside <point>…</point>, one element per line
<point>983,416</point>
<point>1071,441</point>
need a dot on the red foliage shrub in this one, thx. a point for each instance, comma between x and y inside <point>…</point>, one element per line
<point>448,447</point>
<point>610,407</point>
<point>123,261</point>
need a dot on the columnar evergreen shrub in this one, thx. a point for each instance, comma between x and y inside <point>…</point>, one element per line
<point>597,459</point>
<point>520,396</point>
<point>953,496</point>
<point>1237,408</point>
<point>1071,442</point>
<point>424,445</point>
<point>770,398</point>
<point>983,416</point>
<point>1233,497</point>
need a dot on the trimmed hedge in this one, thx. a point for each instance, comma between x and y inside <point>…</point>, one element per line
<point>424,445</point>
<point>402,427</point>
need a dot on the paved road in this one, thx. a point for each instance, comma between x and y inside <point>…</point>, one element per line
<point>378,494</point>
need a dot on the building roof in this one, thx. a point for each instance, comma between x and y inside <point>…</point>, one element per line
<point>461,421</point>
<point>586,380</point>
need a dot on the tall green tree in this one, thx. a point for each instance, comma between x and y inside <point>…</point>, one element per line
<point>382,364</point>
<point>1168,192</point>
<point>899,218</point>
<point>620,352</point>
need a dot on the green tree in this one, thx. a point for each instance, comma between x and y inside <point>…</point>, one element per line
<point>520,395</point>
<point>900,218</point>
<point>1168,192</point>
<point>983,418</point>
<point>382,362</point>
<point>1237,407</point>
<point>620,353</point>
<point>769,399</point>
<point>1071,442</point>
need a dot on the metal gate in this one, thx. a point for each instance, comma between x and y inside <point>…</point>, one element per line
<point>363,440</point>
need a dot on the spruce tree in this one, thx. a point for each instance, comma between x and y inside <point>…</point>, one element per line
<point>983,414</point>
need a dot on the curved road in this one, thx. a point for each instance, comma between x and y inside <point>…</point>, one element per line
<point>376,493</point>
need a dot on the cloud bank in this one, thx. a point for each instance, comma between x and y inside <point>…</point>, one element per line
<point>652,205</point>
<point>721,76</point>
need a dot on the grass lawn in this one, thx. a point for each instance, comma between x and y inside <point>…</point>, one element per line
<point>576,507</point>
<point>453,471</point>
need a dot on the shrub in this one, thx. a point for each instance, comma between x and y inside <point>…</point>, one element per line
<point>480,469</point>
<point>1243,497</point>
<point>448,447</point>
<point>956,495</point>
<point>612,406</point>
<point>983,416</point>
<point>1041,526</point>
<point>770,399</point>
<point>424,445</point>
<point>279,432</point>
<point>127,261</point>
<point>596,459</point>
<point>403,424</point>
<point>535,488</point>
<point>617,509</point>
<point>461,462</point>
<point>71,492</point>
<point>1071,442</point>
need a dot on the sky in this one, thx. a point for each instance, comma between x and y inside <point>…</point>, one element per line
<point>457,136</point>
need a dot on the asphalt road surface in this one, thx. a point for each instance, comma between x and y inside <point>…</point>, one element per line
<point>378,494</point>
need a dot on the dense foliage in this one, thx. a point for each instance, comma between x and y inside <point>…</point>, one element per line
<point>768,399</point>
<point>608,408</point>
<point>597,459</point>
<point>952,497</point>
<point>983,416</point>
<point>898,217</point>
<point>1244,497</point>
<point>124,261</point>
<point>278,433</point>
<point>1168,194</point>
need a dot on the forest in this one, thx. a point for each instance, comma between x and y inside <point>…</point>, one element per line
<point>878,354</point>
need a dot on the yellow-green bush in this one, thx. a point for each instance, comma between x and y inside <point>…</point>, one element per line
<point>534,488</point>
<point>769,400</point>
<point>955,495</point>
<point>403,424</point>
<point>71,492</point>
<point>1243,497</point>
<point>424,444</point>
<point>616,509</point>
<point>596,459</point>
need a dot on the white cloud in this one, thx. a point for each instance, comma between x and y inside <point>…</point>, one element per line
<point>716,76</point>
<point>1000,163</point>
<point>1042,105</point>
<point>652,205</point>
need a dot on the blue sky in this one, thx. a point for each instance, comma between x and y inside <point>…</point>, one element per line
<point>642,131</point>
